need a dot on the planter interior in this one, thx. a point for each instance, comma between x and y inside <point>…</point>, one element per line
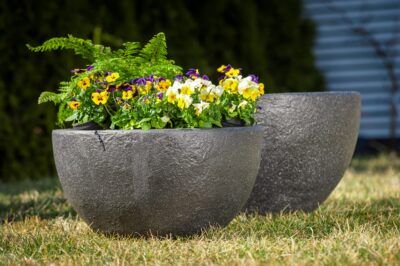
<point>171,181</point>
<point>309,140</point>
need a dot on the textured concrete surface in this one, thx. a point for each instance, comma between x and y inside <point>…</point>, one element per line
<point>309,140</point>
<point>170,181</point>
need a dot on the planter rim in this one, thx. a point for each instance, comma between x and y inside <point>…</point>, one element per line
<point>315,93</point>
<point>157,131</point>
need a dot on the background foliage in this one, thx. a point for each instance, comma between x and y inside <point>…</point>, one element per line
<point>269,38</point>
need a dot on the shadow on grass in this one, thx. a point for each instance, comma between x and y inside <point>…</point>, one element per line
<point>44,199</point>
<point>22,200</point>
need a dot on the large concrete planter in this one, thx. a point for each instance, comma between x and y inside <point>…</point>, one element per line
<point>171,181</point>
<point>309,140</point>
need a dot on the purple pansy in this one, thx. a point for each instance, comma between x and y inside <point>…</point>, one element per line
<point>254,78</point>
<point>150,78</point>
<point>227,68</point>
<point>221,78</point>
<point>111,88</point>
<point>126,87</point>
<point>178,78</point>
<point>193,73</point>
<point>160,95</point>
<point>141,81</point>
<point>90,67</point>
<point>205,77</point>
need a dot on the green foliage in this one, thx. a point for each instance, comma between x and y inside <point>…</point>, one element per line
<point>271,38</point>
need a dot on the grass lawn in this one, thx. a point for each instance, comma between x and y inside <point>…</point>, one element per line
<point>359,224</point>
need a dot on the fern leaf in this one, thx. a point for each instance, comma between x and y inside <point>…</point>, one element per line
<point>131,48</point>
<point>48,96</point>
<point>82,47</point>
<point>155,50</point>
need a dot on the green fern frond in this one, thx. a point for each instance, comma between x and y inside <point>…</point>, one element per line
<point>82,47</point>
<point>155,50</point>
<point>130,49</point>
<point>48,96</point>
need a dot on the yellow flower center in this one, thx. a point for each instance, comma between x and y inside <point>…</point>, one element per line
<point>171,98</point>
<point>74,105</point>
<point>100,98</point>
<point>84,83</point>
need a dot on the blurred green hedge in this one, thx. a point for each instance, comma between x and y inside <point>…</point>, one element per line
<point>269,38</point>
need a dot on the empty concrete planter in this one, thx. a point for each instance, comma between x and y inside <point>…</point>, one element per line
<point>171,181</point>
<point>309,140</point>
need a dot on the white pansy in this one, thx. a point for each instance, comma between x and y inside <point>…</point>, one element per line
<point>246,86</point>
<point>217,90</point>
<point>177,85</point>
<point>165,119</point>
<point>171,93</point>
<point>199,107</point>
<point>233,108</point>
<point>205,82</point>
<point>242,104</point>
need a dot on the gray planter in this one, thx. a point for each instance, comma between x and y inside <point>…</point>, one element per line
<point>309,140</point>
<point>171,181</point>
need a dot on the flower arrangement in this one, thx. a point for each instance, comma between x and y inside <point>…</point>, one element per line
<point>140,88</point>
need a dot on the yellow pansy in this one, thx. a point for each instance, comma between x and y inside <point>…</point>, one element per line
<point>246,92</point>
<point>184,101</point>
<point>126,95</point>
<point>112,77</point>
<point>74,105</point>
<point>100,97</point>
<point>84,83</point>
<point>221,69</point>
<point>211,93</point>
<point>231,85</point>
<point>145,89</point>
<point>207,96</point>
<point>261,88</point>
<point>232,72</point>
<point>187,90</point>
<point>163,85</point>
<point>254,94</point>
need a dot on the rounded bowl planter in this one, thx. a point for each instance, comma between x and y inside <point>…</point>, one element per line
<point>169,181</point>
<point>309,140</point>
